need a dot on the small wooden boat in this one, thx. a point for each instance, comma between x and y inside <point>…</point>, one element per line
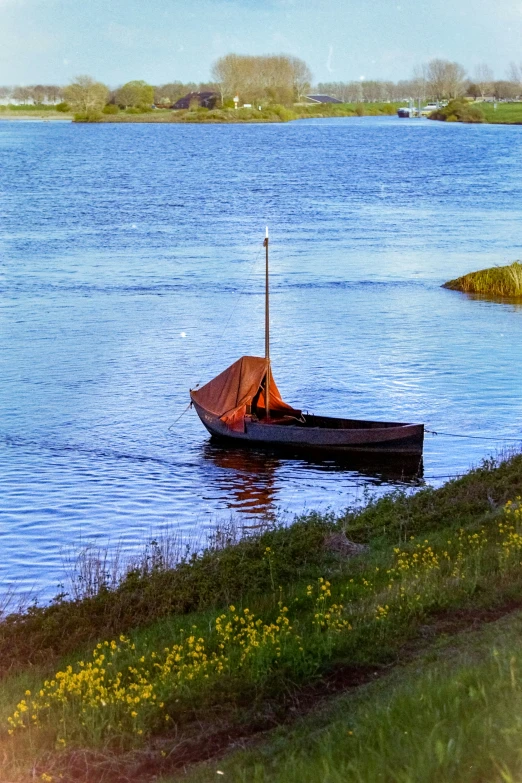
<point>243,404</point>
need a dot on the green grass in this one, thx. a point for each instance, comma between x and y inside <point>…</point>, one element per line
<point>452,716</point>
<point>503,281</point>
<point>461,110</point>
<point>505,113</point>
<point>28,108</point>
<point>46,111</point>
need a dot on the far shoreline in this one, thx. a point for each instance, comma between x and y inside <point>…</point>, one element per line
<point>476,113</point>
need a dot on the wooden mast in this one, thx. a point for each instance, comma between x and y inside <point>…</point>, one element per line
<point>267,332</point>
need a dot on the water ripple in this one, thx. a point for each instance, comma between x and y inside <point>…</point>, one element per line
<point>119,274</point>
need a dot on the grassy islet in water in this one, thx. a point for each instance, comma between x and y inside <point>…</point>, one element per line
<point>495,281</point>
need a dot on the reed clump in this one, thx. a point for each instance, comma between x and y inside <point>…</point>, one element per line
<point>505,281</point>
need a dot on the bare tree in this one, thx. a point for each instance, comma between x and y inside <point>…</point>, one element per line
<point>21,94</point>
<point>38,93</point>
<point>5,93</point>
<point>445,79</point>
<point>419,83</point>
<point>506,90</point>
<point>207,87</point>
<point>54,93</point>
<point>347,92</point>
<point>355,92</point>
<point>226,73</point>
<point>269,78</point>
<point>515,79</point>
<point>483,78</point>
<point>515,73</point>
<point>301,77</point>
<point>86,95</point>
<point>374,91</point>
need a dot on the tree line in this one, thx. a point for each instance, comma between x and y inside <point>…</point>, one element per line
<point>435,80</point>
<point>270,79</point>
<point>132,94</point>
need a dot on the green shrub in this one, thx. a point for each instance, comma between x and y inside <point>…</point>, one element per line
<point>111,108</point>
<point>63,106</point>
<point>133,110</point>
<point>283,113</point>
<point>458,110</point>
<point>88,116</point>
<point>359,109</point>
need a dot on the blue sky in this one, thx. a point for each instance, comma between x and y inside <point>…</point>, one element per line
<point>167,40</point>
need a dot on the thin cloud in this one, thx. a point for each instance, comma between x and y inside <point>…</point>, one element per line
<point>329,59</point>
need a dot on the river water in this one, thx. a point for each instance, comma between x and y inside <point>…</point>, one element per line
<point>131,268</point>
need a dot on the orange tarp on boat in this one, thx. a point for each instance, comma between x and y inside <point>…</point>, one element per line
<point>229,393</point>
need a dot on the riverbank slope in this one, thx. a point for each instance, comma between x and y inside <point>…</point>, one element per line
<point>175,664</point>
<point>460,110</point>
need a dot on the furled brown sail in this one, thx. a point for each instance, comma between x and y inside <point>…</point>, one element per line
<point>230,393</point>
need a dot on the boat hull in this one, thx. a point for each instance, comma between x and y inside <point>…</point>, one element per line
<point>322,434</point>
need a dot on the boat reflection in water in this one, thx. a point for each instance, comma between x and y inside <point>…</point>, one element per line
<point>250,479</point>
<point>247,478</point>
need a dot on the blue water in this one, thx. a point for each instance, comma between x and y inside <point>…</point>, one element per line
<point>131,268</point>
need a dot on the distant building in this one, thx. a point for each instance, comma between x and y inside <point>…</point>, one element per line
<point>322,99</point>
<point>205,99</point>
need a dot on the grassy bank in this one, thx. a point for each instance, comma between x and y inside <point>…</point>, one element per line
<point>460,110</point>
<point>173,664</point>
<point>453,715</point>
<point>503,281</point>
<point>268,114</point>
<point>35,112</point>
<point>504,113</point>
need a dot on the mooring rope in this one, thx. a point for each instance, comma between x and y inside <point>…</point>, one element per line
<point>179,417</point>
<point>476,437</point>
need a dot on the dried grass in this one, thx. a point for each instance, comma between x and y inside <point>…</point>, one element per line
<point>92,569</point>
<point>504,281</point>
<point>12,601</point>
